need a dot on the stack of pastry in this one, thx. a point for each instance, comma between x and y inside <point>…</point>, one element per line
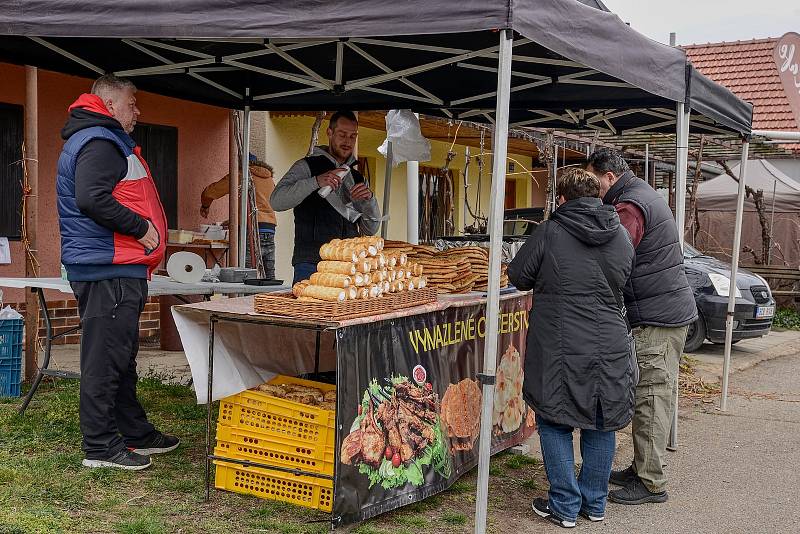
<point>479,264</point>
<point>359,268</point>
<point>449,273</point>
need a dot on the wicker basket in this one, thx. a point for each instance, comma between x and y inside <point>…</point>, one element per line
<point>285,304</point>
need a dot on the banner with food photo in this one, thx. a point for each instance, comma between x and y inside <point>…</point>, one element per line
<point>409,404</point>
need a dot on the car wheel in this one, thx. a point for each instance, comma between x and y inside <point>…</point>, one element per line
<point>695,335</point>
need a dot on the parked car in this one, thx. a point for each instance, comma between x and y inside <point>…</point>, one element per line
<point>521,221</point>
<point>710,281</point>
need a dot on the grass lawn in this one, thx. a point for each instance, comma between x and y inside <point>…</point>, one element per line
<point>43,487</point>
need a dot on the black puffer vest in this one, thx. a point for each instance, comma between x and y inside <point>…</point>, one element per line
<point>315,221</point>
<point>657,293</point>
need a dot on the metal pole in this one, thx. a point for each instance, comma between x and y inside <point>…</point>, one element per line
<point>387,190</point>
<point>466,190</point>
<point>682,162</point>
<point>737,242</point>
<point>31,217</point>
<point>500,148</point>
<point>647,163</point>
<point>412,201</point>
<point>233,194</point>
<point>245,203</point>
<point>772,223</point>
<point>682,165</point>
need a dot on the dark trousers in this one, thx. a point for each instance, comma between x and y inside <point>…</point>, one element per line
<point>110,413</point>
<point>303,271</point>
<point>267,242</point>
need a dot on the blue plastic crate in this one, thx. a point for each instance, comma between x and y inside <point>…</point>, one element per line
<point>10,357</point>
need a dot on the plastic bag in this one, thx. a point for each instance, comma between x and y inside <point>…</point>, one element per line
<point>9,313</point>
<point>408,143</point>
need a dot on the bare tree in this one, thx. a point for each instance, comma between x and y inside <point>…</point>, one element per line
<point>694,220</point>
<point>758,200</point>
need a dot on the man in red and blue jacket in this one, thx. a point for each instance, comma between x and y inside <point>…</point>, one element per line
<point>113,235</point>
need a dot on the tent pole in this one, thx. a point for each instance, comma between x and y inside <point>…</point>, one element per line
<point>245,179</point>
<point>387,189</point>
<point>412,191</point>
<point>412,187</point>
<point>233,194</point>
<point>499,147</point>
<point>737,242</point>
<point>682,162</point>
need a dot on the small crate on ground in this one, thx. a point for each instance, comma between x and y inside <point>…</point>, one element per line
<point>10,357</point>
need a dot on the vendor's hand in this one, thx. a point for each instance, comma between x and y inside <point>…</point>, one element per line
<point>204,211</point>
<point>360,192</point>
<point>150,239</point>
<point>329,178</point>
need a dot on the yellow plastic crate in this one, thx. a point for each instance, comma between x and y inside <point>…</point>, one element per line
<point>305,491</point>
<point>293,423</point>
<point>244,445</point>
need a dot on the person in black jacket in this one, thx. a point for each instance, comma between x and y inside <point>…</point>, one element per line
<point>579,364</point>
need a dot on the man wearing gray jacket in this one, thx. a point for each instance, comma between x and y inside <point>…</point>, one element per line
<point>349,208</point>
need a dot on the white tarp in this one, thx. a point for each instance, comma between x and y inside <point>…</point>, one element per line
<point>719,194</point>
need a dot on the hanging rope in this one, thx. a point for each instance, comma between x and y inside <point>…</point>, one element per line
<point>30,254</point>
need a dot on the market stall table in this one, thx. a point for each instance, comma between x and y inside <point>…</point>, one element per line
<point>438,345</point>
<point>158,286</point>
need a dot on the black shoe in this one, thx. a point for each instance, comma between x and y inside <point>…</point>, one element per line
<point>623,477</point>
<point>542,509</point>
<point>591,517</point>
<point>156,444</point>
<point>636,493</point>
<point>124,459</point>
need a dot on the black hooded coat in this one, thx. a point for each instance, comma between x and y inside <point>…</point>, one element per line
<point>578,356</point>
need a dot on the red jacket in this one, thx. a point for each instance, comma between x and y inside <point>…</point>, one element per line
<point>104,213</point>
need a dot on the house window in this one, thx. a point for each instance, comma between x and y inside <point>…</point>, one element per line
<point>160,151</point>
<point>11,172</point>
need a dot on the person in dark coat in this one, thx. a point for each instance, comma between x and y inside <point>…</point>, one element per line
<point>579,365</point>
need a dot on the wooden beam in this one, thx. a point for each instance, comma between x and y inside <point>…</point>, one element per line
<point>31,218</point>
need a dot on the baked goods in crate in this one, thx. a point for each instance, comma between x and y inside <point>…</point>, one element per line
<point>301,393</point>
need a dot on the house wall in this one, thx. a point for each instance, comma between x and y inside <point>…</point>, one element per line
<point>202,157</point>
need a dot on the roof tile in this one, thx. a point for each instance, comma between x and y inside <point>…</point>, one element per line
<point>747,69</point>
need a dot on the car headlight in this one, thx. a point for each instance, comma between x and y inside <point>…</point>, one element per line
<point>722,284</point>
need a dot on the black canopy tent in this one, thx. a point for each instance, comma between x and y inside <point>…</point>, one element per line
<point>575,66</point>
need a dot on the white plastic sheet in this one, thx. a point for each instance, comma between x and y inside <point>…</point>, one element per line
<point>408,143</point>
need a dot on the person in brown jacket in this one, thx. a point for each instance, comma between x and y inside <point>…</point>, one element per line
<point>264,184</point>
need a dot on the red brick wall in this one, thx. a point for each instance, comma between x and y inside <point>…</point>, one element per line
<point>64,315</point>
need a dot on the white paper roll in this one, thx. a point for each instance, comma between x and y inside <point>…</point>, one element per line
<point>186,267</point>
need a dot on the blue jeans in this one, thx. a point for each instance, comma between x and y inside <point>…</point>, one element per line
<point>303,271</point>
<point>588,491</point>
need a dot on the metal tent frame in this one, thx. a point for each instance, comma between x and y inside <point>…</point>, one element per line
<point>455,66</point>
